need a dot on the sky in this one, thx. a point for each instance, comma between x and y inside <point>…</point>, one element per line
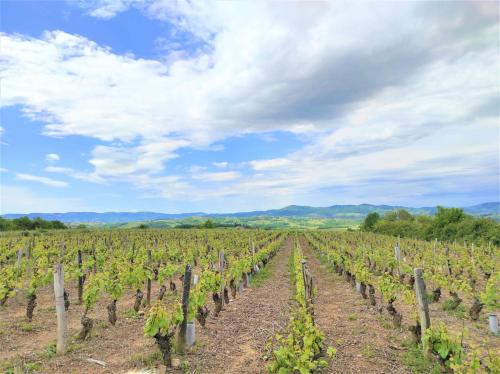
<point>188,106</point>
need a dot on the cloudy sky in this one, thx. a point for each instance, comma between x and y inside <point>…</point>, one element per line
<point>178,106</point>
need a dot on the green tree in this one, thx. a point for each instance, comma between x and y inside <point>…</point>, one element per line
<point>208,224</point>
<point>370,221</point>
<point>404,215</point>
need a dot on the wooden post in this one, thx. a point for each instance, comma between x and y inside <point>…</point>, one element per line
<point>422,305</point>
<point>181,342</point>
<point>447,254</point>
<point>148,295</point>
<point>221,270</point>
<point>19,257</point>
<point>31,246</point>
<point>62,249</point>
<point>397,254</point>
<point>61,313</point>
<point>308,288</point>
<point>80,277</point>
<point>307,282</point>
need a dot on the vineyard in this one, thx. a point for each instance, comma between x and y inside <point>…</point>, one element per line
<point>246,301</point>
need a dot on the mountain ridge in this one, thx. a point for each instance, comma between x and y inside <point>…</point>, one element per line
<point>347,211</point>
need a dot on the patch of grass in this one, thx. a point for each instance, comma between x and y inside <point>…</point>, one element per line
<point>185,366</point>
<point>368,352</point>
<point>323,259</point>
<point>352,317</point>
<point>385,323</point>
<point>3,325</point>
<point>477,325</point>
<point>460,312</point>
<point>146,359</point>
<point>260,278</point>
<point>448,305</point>
<point>50,351</point>
<point>331,352</point>
<point>31,367</point>
<point>7,366</point>
<point>131,314</point>
<point>25,326</point>
<point>74,347</point>
<point>100,324</point>
<point>416,361</point>
<point>10,366</point>
<point>430,297</point>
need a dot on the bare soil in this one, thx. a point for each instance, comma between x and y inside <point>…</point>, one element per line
<point>477,334</point>
<point>234,342</point>
<point>121,347</point>
<point>351,326</point>
<point>237,340</point>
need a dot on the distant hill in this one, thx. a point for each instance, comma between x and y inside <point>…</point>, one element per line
<point>348,212</point>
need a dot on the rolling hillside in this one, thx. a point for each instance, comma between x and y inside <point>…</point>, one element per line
<point>344,212</point>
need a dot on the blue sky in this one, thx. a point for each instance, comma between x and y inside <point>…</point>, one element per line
<point>128,105</point>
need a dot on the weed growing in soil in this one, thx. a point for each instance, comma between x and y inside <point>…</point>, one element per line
<point>385,323</point>
<point>26,368</point>
<point>368,352</point>
<point>25,326</point>
<point>101,324</point>
<point>131,314</point>
<point>31,366</point>
<point>50,351</point>
<point>185,366</point>
<point>263,275</point>
<point>460,312</point>
<point>352,317</point>
<point>74,347</point>
<point>146,359</point>
<point>448,305</point>
<point>415,360</point>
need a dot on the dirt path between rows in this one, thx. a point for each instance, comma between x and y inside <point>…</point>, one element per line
<point>235,341</point>
<point>351,326</point>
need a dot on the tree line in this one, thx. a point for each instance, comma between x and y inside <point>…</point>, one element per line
<point>25,223</point>
<point>448,224</point>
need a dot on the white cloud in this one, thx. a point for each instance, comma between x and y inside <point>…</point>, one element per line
<point>313,80</point>
<point>44,180</point>
<point>106,9</point>
<point>115,161</point>
<point>3,170</point>
<point>416,72</point>
<point>221,165</point>
<point>52,157</point>
<point>83,176</point>
<point>2,130</point>
<point>269,164</point>
<point>217,176</point>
